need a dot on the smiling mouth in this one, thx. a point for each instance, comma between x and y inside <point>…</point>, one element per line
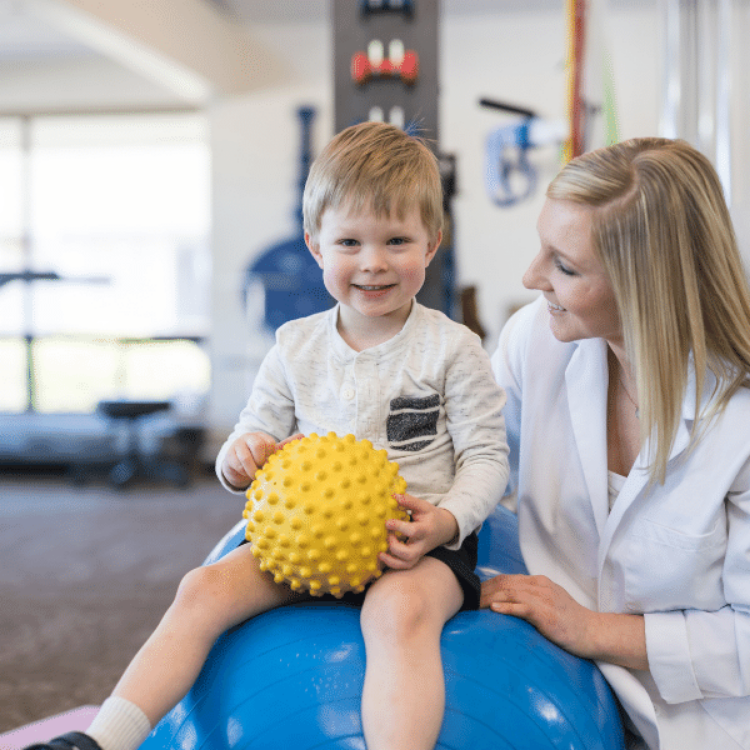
<point>556,308</point>
<point>372,287</point>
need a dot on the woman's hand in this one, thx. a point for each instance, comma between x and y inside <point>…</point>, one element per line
<point>547,606</point>
<point>429,528</point>
<point>615,638</point>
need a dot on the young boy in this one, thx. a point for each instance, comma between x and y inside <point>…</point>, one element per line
<point>382,367</point>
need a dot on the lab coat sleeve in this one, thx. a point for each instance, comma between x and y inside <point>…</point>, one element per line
<point>270,409</point>
<point>474,412</point>
<point>695,654</point>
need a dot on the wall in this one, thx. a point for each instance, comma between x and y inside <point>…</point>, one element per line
<point>255,146</point>
<point>517,55</point>
<point>520,57</point>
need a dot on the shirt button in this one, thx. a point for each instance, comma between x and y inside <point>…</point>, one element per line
<point>348,393</point>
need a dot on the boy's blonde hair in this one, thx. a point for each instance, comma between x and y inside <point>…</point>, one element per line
<point>662,230</point>
<point>375,166</point>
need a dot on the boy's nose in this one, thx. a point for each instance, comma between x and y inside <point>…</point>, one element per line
<point>374,259</point>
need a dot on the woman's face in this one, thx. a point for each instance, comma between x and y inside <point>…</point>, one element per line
<point>580,298</point>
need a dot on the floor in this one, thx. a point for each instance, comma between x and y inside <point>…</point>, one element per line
<point>85,575</point>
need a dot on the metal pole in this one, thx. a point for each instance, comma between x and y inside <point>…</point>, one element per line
<point>724,97</point>
<point>26,249</point>
<point>671,82</point>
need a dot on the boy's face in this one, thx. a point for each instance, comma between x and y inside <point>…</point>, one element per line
<point>373,265</point>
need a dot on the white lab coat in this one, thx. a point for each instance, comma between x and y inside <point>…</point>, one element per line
<point>678,552</point>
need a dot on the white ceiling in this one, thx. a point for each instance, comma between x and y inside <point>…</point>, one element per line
<point>25,38</point>
<point>30,42</point>
<point>265,11</point>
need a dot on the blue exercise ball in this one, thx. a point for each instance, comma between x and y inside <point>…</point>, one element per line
<point>292,678</point>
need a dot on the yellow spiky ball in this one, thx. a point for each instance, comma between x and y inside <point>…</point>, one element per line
<point>316,513</point>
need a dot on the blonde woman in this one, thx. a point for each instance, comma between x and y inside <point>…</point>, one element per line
<point>628,418</point>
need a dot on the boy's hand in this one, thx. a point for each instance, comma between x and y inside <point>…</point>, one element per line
<point>429,528</point>
<point>247,454</point>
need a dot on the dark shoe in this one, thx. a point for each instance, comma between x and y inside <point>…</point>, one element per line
<point>69,741</point>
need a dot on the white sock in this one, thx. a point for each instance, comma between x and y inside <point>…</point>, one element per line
<point>119,725</point>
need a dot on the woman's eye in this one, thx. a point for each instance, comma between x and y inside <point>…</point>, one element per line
<point>563,268</point>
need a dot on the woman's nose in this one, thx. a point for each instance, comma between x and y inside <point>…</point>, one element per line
<point>534,278</point>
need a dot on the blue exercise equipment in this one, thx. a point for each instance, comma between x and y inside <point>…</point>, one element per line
<point>509,175</point>
<point>292,678</point>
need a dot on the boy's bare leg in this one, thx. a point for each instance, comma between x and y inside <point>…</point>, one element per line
<point>403,700</point>
<point>209,600</point>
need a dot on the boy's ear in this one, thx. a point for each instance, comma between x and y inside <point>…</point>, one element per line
<point>314,249</point>
<point>432,248</point>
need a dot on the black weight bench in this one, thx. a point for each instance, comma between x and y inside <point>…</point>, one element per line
<point>136,464</point>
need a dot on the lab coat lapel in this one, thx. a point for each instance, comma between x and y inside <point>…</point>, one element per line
<point>637,480</point>
<point>586,382</point>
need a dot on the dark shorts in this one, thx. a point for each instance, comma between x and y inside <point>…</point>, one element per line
<point>461,561</point>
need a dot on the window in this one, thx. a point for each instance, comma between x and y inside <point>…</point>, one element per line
<point>104,259</point>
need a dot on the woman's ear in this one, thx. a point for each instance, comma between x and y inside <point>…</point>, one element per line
<point>314,248</point>
<point>432,248</point>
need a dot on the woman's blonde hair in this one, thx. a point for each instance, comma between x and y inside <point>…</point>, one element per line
<point>375,166</point>
<point>662,230</point>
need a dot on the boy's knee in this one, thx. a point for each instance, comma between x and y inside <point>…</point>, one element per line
<point>199,588</point>
<point>394,612</point>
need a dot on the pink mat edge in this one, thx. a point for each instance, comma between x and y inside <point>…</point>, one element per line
<point>77,719</point>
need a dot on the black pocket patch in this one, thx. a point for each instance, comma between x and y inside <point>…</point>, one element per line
<point>415,403</point>
<point>411,420</point>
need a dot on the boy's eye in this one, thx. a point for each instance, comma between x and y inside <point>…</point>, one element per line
<point>348,242</point>
<point>397,241</point>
